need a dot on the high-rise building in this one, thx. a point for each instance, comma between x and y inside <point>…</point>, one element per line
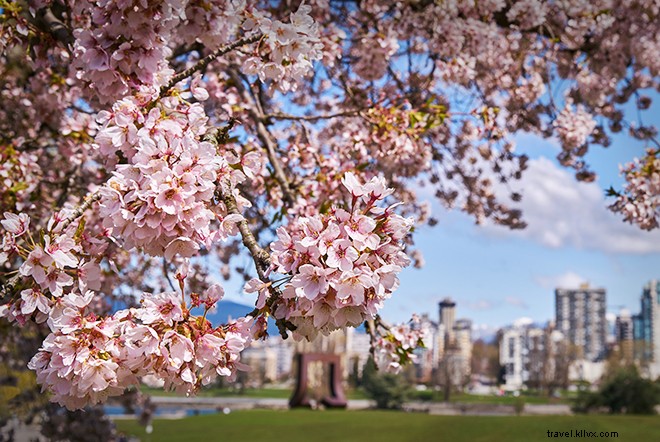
<point>623,331</point>
<point>447,318</point>
<point>646,329</point>
<point>580,316</point>
<point>516,349</point>
<point>463,336</point>
<point>448,351</point>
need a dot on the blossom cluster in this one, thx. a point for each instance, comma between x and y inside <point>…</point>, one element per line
<point>52,266</point>
<point>373,54</point>
<point>126,45</point>
<point>640,201</point>
<point>574,127</point>
<point>211,23</point>
<point>287,51</point>
<point>159,200</point>
<point>528,14</point>
<point>395,348</point>
<point>86,359</point>
<point>344,263</point>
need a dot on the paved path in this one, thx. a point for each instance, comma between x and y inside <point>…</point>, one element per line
<point>456,409</point>
<point>245,403</point>
<point>240,403</point>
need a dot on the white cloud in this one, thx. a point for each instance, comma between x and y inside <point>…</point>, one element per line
<point>522,322</point>
<point>482,305</point>
<point>516,302</point>
<point>561,212</point>
<point>566,280</point>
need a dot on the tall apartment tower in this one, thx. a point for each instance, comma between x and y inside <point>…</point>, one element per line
<point>623,331</point>
<point>580,316</point>
<point>463,336</point>
<point>647,329</point>
<point>447,318</point>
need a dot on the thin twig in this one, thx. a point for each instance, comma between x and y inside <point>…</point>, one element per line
<point>9,286</point>
<point>279,116</point>
<point>204,62</point>
<point>265,137</point>
<point>167,275</point>
<point>78,212</point>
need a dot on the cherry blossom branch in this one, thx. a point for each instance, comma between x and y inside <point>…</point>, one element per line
<point>280,116</point>
<point>78,212</point>
<point>204,62</point>
<point>9,286</point>
<point>261,260</point>
<point>378,321</point>
<point>46,21</point>
<point>167,275</point>
<point>260,257</point>
<point>264,136</point>
<point>371,325</point>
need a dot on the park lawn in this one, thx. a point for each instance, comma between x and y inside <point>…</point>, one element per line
<point>386,426</point>
<point>266,393</point>
<point>505,400</point>
<point>466,398</point>
<point>269,393</point>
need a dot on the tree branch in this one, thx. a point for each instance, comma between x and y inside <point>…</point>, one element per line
<point>9,286</point>
<point>279,116</point>
<point>78,212</point>
<point>204,62</point>
<point>47,22</point>
<point>261,260</point>
<point>260,257</point>
<point>264,136</point>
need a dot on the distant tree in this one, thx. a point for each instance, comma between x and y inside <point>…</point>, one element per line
<point>560,359</point>
<point>549,362</point>
<point>354,379</point>
<point>485,359</point>
<point>623,391</point>
<point>539,367</point>
<point>388,390</point>
<point>450,374</point>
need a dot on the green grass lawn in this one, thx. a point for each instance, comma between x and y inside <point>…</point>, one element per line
<point>383,426</point>
<point>465,398</point>
<point>226,392</point>
<point>269,393</point>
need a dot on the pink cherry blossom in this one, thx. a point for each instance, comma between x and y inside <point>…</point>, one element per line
<point>16,224</point>
<point>310,281</point>
<point>165,307</point>
<point>342,255</point>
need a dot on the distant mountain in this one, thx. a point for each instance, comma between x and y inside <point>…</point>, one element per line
<point>229,309</point>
